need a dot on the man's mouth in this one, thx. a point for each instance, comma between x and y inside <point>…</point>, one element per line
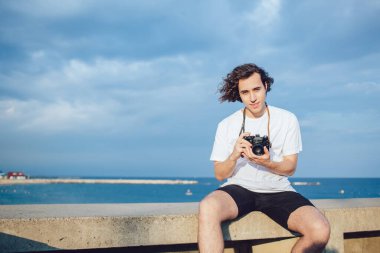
<point>255,105</point>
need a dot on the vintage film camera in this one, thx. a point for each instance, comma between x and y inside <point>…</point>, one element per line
<point>258,143</point>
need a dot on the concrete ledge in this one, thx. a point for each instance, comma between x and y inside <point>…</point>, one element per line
<point>26,228</point>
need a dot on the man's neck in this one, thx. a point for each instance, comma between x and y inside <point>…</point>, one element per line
<point>251,115</point>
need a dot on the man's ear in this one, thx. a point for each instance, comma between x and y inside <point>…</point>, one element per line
<point>266,86</point>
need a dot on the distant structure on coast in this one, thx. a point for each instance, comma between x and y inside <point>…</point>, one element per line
<point>14,175</point>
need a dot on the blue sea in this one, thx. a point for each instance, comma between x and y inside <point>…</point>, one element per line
<point>312,188</point>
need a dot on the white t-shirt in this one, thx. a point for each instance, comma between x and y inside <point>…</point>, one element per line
<point>285,137</point>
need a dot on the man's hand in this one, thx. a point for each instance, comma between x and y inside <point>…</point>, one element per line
<point>262,160</point>
<point>286,167</point>
<point>241,145</point>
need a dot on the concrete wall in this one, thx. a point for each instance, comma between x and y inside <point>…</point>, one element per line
<point>173,228</point>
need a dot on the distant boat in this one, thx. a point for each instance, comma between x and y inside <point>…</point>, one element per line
<point>188,192</point>
<point>306,183</point>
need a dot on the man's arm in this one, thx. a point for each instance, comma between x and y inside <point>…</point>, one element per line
<point>286,167</point>
<point>225,169</point>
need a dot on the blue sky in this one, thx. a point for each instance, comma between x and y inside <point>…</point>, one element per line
<point>129,88</point>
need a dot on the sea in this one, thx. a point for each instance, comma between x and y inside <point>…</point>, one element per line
<point>77,193</point>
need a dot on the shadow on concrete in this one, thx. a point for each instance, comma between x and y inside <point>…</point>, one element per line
<point>137,249</point>
<point>330,251</point>
<point>246,245</point>
<point>11,243</point>
<point>361,234</point>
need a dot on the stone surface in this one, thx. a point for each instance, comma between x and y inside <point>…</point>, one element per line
<point>362,245</point>
<point>49,227</point>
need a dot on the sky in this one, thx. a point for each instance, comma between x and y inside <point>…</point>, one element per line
<point>129,88</point>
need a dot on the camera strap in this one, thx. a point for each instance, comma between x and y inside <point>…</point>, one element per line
<point>242,129</point>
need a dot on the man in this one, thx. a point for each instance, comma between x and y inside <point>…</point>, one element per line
<point>257,181</point>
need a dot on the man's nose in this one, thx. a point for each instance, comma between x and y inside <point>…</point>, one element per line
<point>252,97</point>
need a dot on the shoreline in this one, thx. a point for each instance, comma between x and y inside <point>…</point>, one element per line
<point>94,181</point>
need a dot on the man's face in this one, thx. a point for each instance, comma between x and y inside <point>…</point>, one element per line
<point>253,93</point>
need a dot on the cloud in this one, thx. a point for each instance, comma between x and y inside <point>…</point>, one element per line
<point>343,124</point>
<point>126,29</point>
<point>331,77</point>
<point>117,70</point>
<point>46,8</point>
<point>265,13</point>
<point>107,94</point>
<point>366,87</point>
<point>55,117</point>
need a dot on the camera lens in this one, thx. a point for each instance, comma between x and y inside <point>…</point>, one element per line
<point>258,150</point>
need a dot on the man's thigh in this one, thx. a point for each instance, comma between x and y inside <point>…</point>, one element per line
<point>305,219</point>
<point>221,204</point>
<point>279,206</point>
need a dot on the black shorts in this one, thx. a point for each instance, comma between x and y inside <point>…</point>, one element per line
<point>278,206</point>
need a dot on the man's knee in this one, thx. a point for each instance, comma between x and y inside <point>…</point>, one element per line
<point>218,206</point>
<point>319,231</point>
<point>312,224</point>
<point>208,208</point>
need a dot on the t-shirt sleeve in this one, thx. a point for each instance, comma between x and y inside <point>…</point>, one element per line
<point>220,149</point>
<point>293,142</point>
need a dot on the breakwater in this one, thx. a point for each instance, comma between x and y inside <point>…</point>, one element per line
<point>94,181</point>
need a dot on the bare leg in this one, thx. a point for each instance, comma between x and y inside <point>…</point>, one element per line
<point>314,227</point>
<point>218,206</point>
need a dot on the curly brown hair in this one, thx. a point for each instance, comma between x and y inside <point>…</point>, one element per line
<point>229,89</point>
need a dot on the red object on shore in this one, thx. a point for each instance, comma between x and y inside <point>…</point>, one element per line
<point>16,175</point>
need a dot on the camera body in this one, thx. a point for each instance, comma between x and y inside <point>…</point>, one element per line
<point>258,143</point>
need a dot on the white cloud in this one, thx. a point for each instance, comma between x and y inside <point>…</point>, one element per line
<point>342,123</point>
<point>366,87</point>
<point>38,55</point>
<point>155,73</point>
<point>138,67</point>
<point>333,76</point>
<point>105,94</point>
<point>64,116</point>
<point>265,14</point>
<point>51,9</point>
